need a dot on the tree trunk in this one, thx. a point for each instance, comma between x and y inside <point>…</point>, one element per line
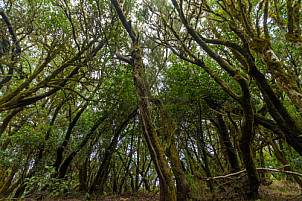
<point>68,160</point>
<point>168,128</point>
<point>227,144</point>
<point>61,149</point>
<point>280,157</point>
<point>166,182</point>
<point>5,182</point>
<point>292,131</point>
<point>202,148</point>
<point>83,176</point>
<point>245,140</point>
<point>167,189</point>
<point>102,174</point>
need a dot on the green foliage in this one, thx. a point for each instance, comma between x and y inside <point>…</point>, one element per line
<point>57,187</point>
<point>185,84</point>
<point>51,96</point>
<point>87,196</point>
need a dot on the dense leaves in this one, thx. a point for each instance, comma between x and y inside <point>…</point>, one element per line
<point>111,97</point>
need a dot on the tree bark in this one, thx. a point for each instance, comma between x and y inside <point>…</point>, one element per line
<point>167,189</point>
<point>61,149</point>
<point>102,174</point>
<point>230,150</point>
<point>281,158</point>
<point>168,128</point>
<point>166,182</point>
<point>245,141</point>
<point>70,157</point>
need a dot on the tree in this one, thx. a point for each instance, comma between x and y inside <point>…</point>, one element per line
<point>229,30</point>
<point>111,97</point>
<point>36,67</point>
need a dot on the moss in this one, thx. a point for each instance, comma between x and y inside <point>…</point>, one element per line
<point>273,64</point>
<point>260,45</point>
<point>237,75</point>
<point>167,189</point>
<point>297,18</point>
<point>135,50</point>
<point>277,69</point>
<point>293,37</point>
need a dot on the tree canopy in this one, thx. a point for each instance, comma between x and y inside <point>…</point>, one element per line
<point>190,98</point>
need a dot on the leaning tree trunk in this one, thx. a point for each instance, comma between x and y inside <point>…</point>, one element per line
<point>226,141</point>
<point>281,158</point>
<point>103,172</point>
<point>168,128</point>
<point>224,138</point>
<point>167,189</point>
<point>245,141</point>
<point>166,181</point>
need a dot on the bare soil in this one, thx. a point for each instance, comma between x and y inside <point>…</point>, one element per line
<point>277,191</point>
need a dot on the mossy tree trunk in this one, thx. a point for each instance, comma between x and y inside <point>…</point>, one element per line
<point>168,128</point>
<point>225,140</point>
<point>166,181</point>
<point>201,144</point>
<point>280,157</point>
<point>285,79</point>
<point>103,172</point>
<point>245,141</point>
<point>5,182</point>
<point>61,149</point>
<point>167,189</point>
<point>227,144</point>
<point>250,38</point>
<point>65,164</point>
<point>247,127</point>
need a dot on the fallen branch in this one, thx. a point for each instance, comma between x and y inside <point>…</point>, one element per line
<point>278,168</point>
<point>258,169</point>
<point>224,176</point>
<point>282,171</point>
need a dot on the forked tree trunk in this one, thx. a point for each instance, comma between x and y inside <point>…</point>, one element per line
<point>224,138</point>
<point>245,141</point>
<point>281,158</point>
<point>168,128</point>
<point>167,189</point>
<point>103,172</point>
<point>166,181</point>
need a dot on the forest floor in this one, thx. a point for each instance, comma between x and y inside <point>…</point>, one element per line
<point>277,191</point>
<point>281,190</point>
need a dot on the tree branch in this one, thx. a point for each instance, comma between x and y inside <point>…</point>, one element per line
<point>258,169</point>
<point>127,24</point>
